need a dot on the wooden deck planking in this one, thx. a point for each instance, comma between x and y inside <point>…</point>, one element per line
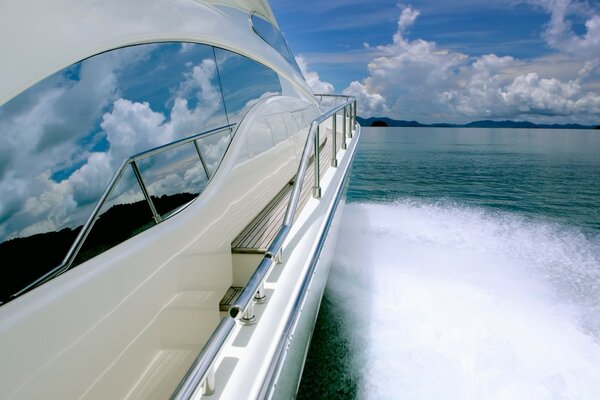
<point>259,234</point>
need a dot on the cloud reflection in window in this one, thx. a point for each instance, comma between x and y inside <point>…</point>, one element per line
<point>65,137</point>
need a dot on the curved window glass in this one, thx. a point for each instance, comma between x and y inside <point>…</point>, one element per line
<point>64,139</point>
<point>270,34</point>
<point>244,82</point>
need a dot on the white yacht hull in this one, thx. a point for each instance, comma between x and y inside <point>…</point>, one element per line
<point>288,383</point>
<point>270,356</point>
<point>197,106</point>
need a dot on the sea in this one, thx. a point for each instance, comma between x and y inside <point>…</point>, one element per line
<point>467,267</point>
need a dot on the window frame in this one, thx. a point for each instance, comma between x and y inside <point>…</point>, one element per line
<point>291,60</point>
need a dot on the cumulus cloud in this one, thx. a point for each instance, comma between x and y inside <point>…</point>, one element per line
<point>526,95</point>
<point>368,103</point>
<point>39,138</point>
<point>404,74</point>
<point>416,79</point>
<point>559,33</point>
<point>43,135</point>
<point>492,90</point>
<point>313,80</point>
<point>132,127</point>
<point>407,18</point>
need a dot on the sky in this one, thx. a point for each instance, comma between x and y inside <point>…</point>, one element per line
<point>452,61</point>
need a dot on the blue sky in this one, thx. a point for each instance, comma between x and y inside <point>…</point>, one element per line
<point>453,61</point>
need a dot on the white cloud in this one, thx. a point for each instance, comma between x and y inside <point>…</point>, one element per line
<point>55,205</point>
<point>31,201</point>
<point>132,127</point>
<point>529,92</point>
<point>559,33</point>
<point>39,138</point>
<point>367,103</point>
<point>405,74</point>
<point>213,149</point>
<point>526,95</point>
<point>312,79</point>
<point>407,18</point>
<point>416,79</point>
<point>87,181</point>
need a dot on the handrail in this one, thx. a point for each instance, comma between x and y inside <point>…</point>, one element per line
<point>131,160</point>
<point>201,373</point>
<point>290,326</point>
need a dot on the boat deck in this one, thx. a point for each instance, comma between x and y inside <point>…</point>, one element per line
<point>258,235</point>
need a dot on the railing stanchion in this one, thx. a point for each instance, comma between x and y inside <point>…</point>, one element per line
<point>202,161</point>
<point>248,318</point>
<point>344,145</point>
<point>208,384</point>
<point>260,297</point>
<point>334,162</point>
<point>316,164</point>
<point>278,258</point>
<point>138,176</point>
<point>354,116</point>
<point>348,116</point>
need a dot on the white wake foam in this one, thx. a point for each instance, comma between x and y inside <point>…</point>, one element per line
<point>447,302</point>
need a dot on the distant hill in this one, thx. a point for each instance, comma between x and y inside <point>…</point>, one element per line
<point>523,124</point>
<point>384,121</point>
<point>27,258</point>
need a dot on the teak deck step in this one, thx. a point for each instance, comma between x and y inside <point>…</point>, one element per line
<point>258,235</point>
<point>230,298</point>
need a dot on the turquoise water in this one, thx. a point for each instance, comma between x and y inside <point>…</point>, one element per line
<point>541,173</point>
<point>467,267</point>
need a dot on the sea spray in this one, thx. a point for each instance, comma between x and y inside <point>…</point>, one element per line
<point>442,301</point>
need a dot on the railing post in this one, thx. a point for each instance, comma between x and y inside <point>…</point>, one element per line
<point>317,166</point>
<point>344,145</point>
<point>278,258</point>
<point>208,384</point>
<point>260,297</point>
<point>348,116</point>
<point>334,162</point>
<point>248,318</point>
<point>201,159</point>
<point>353,116</point>
<point>138,176</point>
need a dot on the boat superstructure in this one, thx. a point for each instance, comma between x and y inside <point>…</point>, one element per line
<point>169,196</point>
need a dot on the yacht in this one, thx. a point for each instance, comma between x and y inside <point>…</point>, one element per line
<point>170,192</point>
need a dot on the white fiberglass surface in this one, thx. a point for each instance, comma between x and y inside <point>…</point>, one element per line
<point>125,313</point>
<point>444,301</point>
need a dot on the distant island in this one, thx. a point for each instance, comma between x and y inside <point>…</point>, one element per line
<point>384,121</point>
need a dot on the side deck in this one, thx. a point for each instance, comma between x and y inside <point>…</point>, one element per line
<point>260,233</point>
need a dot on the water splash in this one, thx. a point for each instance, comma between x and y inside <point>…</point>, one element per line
<point>448,302</point>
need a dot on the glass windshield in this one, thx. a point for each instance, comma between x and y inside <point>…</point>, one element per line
<point>273,36</point>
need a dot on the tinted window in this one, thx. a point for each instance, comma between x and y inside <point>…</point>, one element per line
<point>244,82</point>
<point>124,214</point>
<point>273,36</point>
<point>64,139</point>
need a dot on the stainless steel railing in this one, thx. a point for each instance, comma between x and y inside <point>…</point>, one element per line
<point>130,161</point>
<point>285,339</point>
<point>200,376</point>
